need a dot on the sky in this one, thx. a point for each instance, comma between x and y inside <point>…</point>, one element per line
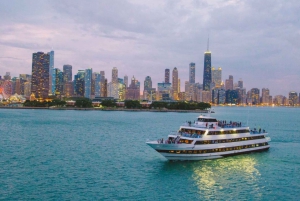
<point>256,41</point>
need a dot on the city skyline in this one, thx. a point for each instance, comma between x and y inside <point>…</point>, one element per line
<point>261,47</point>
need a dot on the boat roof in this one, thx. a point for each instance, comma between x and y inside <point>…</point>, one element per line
<point>206,117</point>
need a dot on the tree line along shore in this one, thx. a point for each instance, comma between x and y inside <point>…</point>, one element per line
<point>111,105</point>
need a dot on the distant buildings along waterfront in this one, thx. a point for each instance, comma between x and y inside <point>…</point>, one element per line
<point>49,81</point>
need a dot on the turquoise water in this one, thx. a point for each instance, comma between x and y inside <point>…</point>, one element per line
<point>99,155</point>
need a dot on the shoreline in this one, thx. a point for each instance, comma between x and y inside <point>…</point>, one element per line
<point>109,109</point>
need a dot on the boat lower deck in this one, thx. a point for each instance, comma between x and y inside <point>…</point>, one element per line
<point>174,156</point>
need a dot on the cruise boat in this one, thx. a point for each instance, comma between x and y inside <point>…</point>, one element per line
<point>208,138</point>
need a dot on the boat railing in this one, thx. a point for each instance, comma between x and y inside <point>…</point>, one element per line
<point>258,132</point>
<point>174,133</point>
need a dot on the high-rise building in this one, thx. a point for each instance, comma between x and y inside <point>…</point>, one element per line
<point>40,74</point>
<point>88,83</point>
<point>103,87</point>
<point>216,77</point>
<point>229,83</point>
<point>265,95</point>
<point>126,81</point>
<point>59,82</point>
<point>97,80</point>
<point>7,76</point>
<point>293,98</point>
<point>254,95</point>
<point>240,84</point>
<point>192,73</point>
<point>147,83</point>
<point>114,83</point>
<point>167,75</point>
<point>68,89</point>
<point>207,69</point>
<point>241,96</point>
<point>175,83</point>
<point>163,91</point>
<point>52,73</point>
<point>79,83</point>
<point>18,86</point>
<point>67,69</point>
<point>231,97</point>
<point>133,91</point>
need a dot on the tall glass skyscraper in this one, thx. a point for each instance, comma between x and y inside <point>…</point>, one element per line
<point>88,83</point>
<point>216,76</point>
<point>207,70</point>
<point>147,83</point>
<point>97,77</point>
<point>167,75</point>
<point>192,73</point>
<point>175,83</point>
<point>40,74</point>
<point>59,82</point>
<point>67,69</point>
<point>52,73</point>
<point>79,83</point>
<point>114,83</point>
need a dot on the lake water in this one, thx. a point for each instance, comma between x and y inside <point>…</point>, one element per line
<point>102,155</point>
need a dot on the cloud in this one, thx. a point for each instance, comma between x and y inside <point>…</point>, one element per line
<point>257,41</point>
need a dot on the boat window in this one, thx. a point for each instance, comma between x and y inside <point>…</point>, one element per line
<point>207,120</point>
<point>227,140</point>
<point>214,150</point>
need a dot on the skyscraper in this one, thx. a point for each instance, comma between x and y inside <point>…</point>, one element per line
<point>103,88</point>
<point>40,74</point>
<point>114,83</point>
<point>97,78</point>
<point>59,82</point>
<point>229,83</point>
<point>240,83</point>
<point>216,76</point>
<point>52,72</point>
<point>254,94</point>
<point>67,69</point>
<point>133,91</point>
<point>175,83</point>
<point>147,83</point>
<point>167,75</point>
<point>88,83</point>
<point>293,98</point>
<point>265,94</point>
<point>192,73</point>
<point>126,81</point>
<point>79,83</point>
<point>207,69</point>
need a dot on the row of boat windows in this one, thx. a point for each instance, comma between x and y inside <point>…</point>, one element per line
<point>228,140</point>
<point>206,120</point>
<point>192,132</point>
<point>228,132</point>
<point>213,150</point>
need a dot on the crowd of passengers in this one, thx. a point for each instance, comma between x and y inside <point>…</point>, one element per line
<point>169,140</point>
<point>254,131</point>
<point>231,124</point>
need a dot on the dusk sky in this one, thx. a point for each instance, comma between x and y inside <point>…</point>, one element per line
<point>257,41</point>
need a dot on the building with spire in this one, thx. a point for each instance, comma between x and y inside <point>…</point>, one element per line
<point>207,69</point>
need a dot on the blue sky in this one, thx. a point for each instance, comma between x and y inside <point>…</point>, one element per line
<point>257,41</point>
